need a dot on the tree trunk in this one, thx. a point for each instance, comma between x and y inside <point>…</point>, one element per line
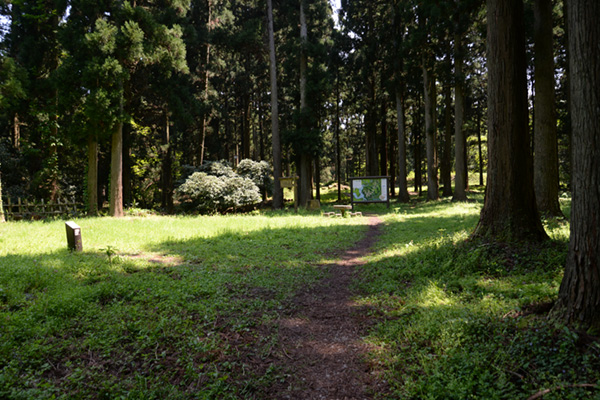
<point>276,142</point>
<point>479,148</point>
<point>460,140</point>
<point>509,212</point>
<point>116,172</point>
<point>116,167</point>
<point>304,192</point>
<point>403,195</point>
<point>545,160</point>
<point>167,169</point>
<point>2,219</point>
<point>417,149</point>
<point>338,149</point>
<point>204,87</point>
<point>383,145</point>
<point>579,295</point>
<point>92,176</point>
<point>430,134</point>
<point>127,166</point>
<point>371,129</point>
<point>446,164</point>
<point>17,133</point>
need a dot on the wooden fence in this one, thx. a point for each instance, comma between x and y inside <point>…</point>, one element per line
<point>24,209</point>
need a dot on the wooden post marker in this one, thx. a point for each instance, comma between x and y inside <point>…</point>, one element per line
<point>74,236</point>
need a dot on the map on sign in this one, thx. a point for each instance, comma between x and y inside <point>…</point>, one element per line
<point>369,190</point>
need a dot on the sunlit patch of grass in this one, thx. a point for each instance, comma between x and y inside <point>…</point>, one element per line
<point>462,318</point>
<point>154,307</point>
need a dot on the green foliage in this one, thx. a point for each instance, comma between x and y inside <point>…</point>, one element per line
<point>259,172</point>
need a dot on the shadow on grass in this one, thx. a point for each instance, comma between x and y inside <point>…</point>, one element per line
<point>84,325</point>
<point>466,319</point>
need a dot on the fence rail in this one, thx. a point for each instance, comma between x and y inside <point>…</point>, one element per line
<point>25,209</point>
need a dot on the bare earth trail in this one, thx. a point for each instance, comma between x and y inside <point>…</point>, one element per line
<point>321,347</point>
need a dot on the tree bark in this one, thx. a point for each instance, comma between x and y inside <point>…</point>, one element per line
<point>479,147</point>
<point>446,164</point>
<point>509,212</point>
<point>116,172</point>
<point>403,195</point>
<point>372,162</point>
<point>304,192</point>
<point>383,145</point>
<point>430,134</point>
<point>167,168</point>
<point>204,87</point>
<point>545,160</point>
<point>276,142</point>
<point>579,295</point>
<point>116,167</point>
<point>2,219</point>
<point>92,176</point>
<point>460,140</point>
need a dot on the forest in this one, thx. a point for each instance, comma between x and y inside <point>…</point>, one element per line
<point>482,281</point>
<point>144,93</point>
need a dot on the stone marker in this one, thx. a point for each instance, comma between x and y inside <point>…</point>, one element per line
<point>74,236</point>
<point>314,205</point>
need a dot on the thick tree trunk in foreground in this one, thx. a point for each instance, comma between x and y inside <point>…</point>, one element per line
<point>579,295</point>
<point>545,160</point>
<point>92,176</point>
<point>460,140</point>
<point>402,182</point>
<point>276,142</point>
<point>509,212</point>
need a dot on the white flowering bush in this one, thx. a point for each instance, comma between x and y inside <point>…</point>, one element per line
<point>210,194</point>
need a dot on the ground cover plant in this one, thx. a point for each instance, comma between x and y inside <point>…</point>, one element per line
<point>155,307</point>
<point>462,319</point>
<point>186,307</point>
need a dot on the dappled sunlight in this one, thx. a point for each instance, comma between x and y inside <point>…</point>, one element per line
<point>434,296</point>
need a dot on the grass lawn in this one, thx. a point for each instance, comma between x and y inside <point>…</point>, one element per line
<point>183,307</point>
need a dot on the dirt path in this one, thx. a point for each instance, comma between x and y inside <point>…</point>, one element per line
<point>321,344</point>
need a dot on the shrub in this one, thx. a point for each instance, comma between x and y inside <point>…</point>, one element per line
<point>240,191</point>
<point>217,168</point>
<point>201,192</point>
<point>208,194</point>
<point>258,171</point>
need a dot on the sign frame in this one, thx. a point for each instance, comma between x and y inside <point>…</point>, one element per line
<point>382,179</point>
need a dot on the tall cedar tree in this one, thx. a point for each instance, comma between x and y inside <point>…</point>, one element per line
<point>304,192</point>
<point>545,161</point>
<point>509,212</point>
<point>579,294</point>
<point>276,141</point>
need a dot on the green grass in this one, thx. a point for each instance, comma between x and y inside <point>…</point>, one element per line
<point>185,307</point>
<point>463,319</point>
<point>170,314</point>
